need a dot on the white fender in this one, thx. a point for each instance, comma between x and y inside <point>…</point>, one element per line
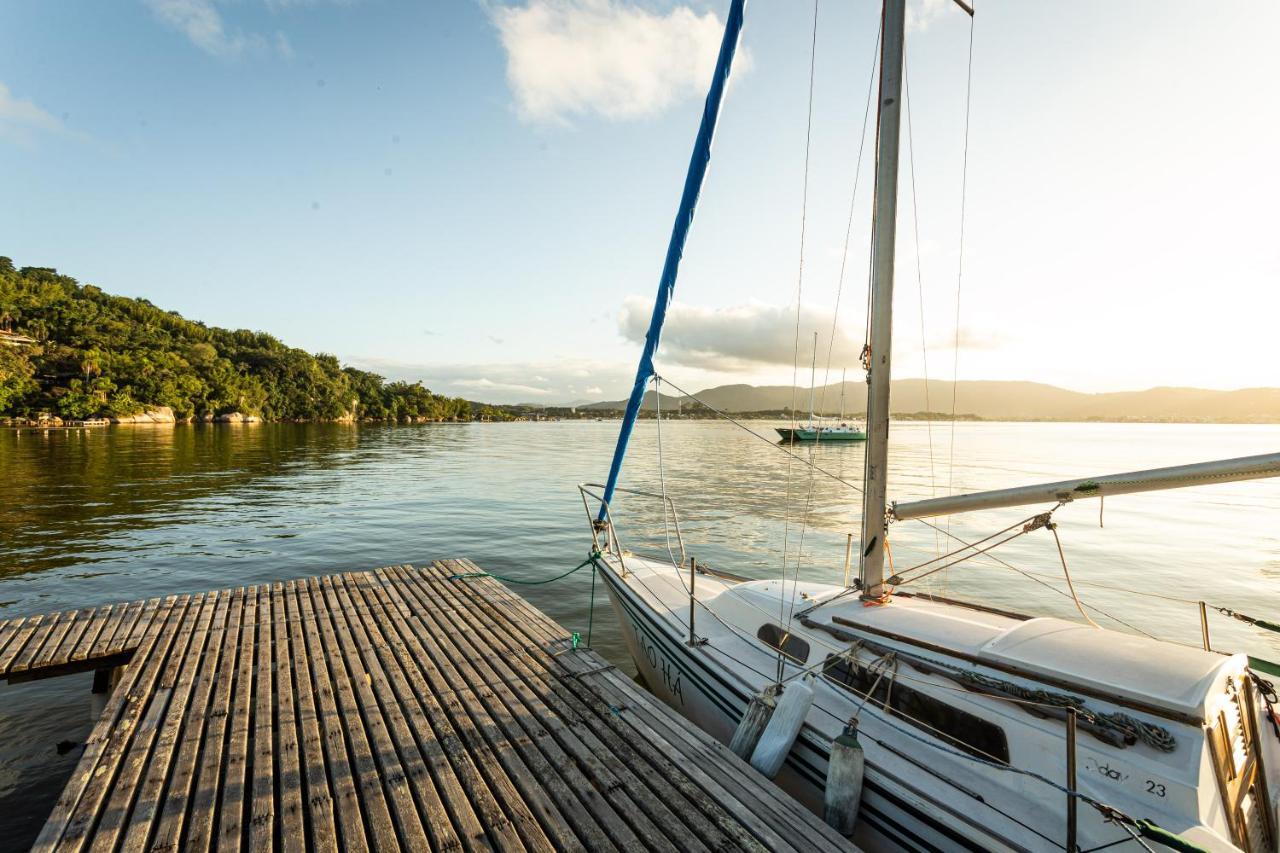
<point>784,727</point>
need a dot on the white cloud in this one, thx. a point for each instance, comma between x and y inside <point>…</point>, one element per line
<point>485,384</point>
<point>742,337</point>
<point>548,382</point>
<point>284,47</point>
<point>617,60</point>
<point>970,338</point>
<point>201,22</point>
<point>922,13</point>
<point>21,120</point>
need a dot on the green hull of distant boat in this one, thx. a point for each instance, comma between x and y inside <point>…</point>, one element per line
<point>821,434</point>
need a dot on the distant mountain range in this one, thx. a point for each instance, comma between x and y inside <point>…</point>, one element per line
<point>991,400</point>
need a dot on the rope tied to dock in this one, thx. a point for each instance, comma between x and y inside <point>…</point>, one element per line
<point>461,576</point>
<point>576,638</point>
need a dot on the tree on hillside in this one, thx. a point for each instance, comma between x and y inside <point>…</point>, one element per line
<point>105,354</point>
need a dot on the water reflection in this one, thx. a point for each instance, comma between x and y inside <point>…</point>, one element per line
<point>128,512</point>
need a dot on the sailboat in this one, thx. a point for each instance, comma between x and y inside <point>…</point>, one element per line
<point>816,431</point>
<point>981,728</point>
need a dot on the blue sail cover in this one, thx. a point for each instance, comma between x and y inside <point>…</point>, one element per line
<point>679,233</point>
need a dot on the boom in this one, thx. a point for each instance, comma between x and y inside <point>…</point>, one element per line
<point>1176,477</point>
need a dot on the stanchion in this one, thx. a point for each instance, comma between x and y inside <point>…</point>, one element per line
<point>1071,781</point>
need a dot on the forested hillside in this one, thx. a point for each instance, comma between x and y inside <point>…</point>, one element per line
<point>90,353</point>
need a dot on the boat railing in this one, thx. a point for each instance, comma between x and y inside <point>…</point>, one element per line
<point>612,544</point>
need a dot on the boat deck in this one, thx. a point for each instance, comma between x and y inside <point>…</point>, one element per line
<point>398,708</point>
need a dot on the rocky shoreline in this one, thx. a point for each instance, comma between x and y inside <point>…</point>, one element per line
<point>163,415</point>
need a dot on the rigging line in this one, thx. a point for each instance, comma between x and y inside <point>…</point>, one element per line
<point>915,219</point>
<point>1010,538</point>
<point>853,198</point>
<point>974,545</point>
<point>1173,598</point>
<point>804,523</point>
<point>964,187</point>
<point>1066,573</point>
<point>795,364</point>
<point>769,441</point>
<point>1034,577</point>
<point>808,507</point>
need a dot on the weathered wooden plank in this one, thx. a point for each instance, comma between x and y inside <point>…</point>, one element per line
<point>8,629</point>
<point>61,654</point>
<point>201,820</point>
<point>319,796</point>
<point>346,800</point>
<point>728,771</point>
<point>373,799</point>
<point>395,708</point>
<point>18,643</point>
<point>530,683</point>
<point>562,817</point>
<point>233,791</point>
<point>160,755</point>
<point>403,768</point>
<point>139,630</point>
<point>122,620</point>
<point>636,789</point>
<point>47,648</point>
<point>102,619</point>
<point>179,797</point>
<point>760,808</point>
<point>287,783</point>
<point>112,820</point>
<point>473,805</point>
<point>262,816</point>
<point>522,715</point>
<point>79,807</point>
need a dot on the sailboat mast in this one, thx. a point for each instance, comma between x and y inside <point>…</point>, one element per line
<point>842,393</point>
<point>884,227</point>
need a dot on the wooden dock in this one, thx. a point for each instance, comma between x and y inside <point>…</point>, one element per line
<point>399,708</point>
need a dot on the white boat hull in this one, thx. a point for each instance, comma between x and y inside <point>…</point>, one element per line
<point>917,795</point>
<point>891,817</point>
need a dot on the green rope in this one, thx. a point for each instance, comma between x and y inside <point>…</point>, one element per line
<point>1249,620</point>
<point>591,613</point>
<point>1149,830</point>
<point>504,579</point>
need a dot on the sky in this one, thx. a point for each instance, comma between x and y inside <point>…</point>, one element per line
<point>479,194</point>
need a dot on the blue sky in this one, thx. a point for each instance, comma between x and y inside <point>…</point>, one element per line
<point>479,194</point>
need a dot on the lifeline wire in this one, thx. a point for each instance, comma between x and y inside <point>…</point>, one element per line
<point>774,444</point>
<point>964,186</point>
<point>835,316</point>
<point>795,365</point>
<point>924,346</point>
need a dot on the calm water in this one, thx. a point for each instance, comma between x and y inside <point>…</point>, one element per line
<point>100,516</point>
